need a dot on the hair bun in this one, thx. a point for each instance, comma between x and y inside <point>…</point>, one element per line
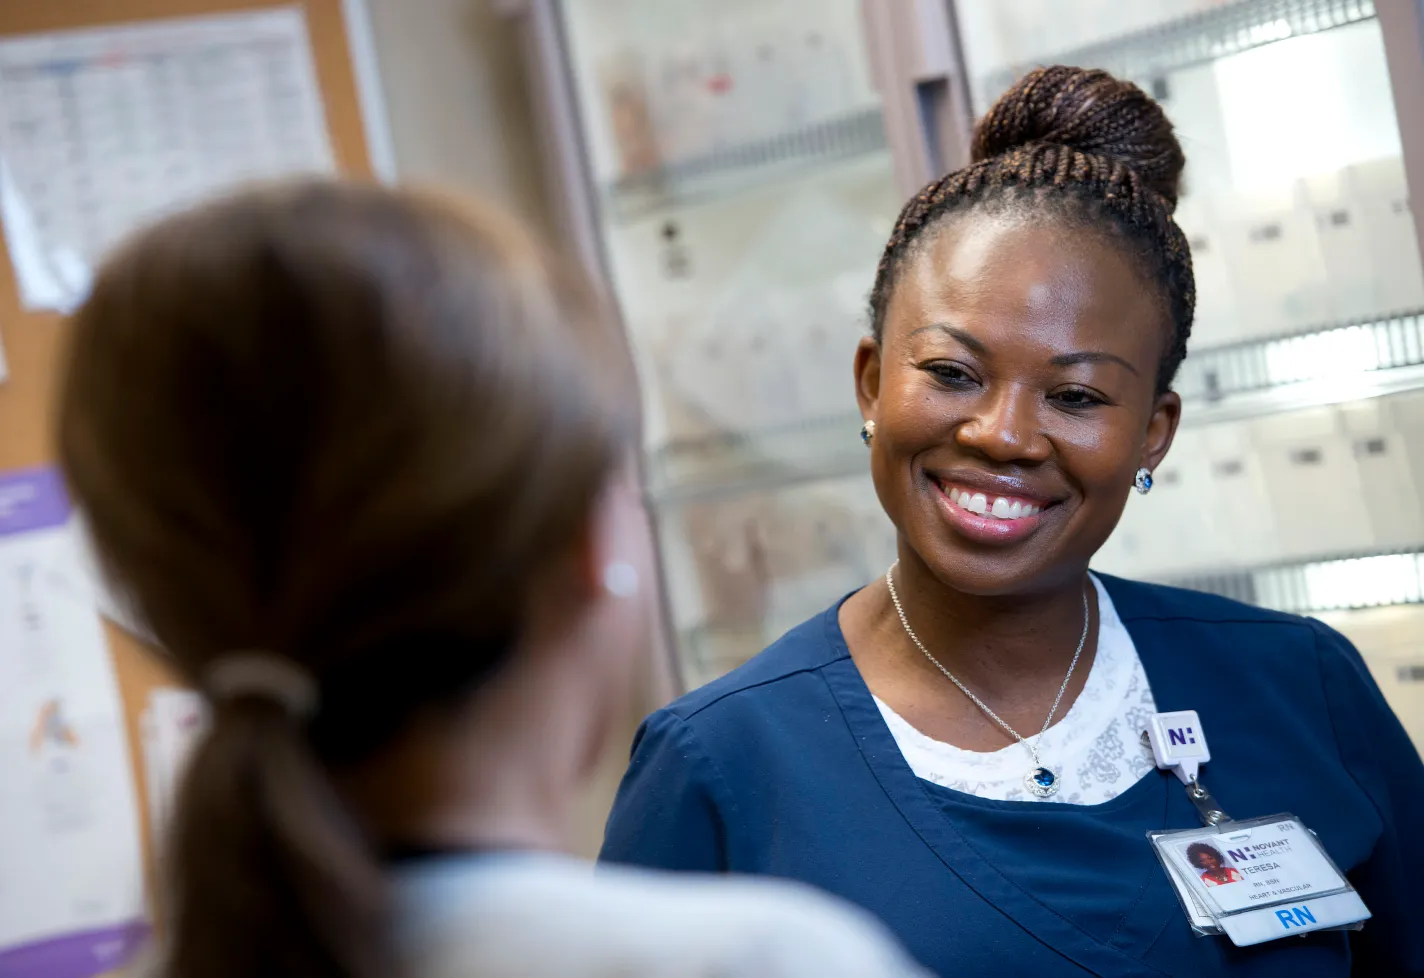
<point>1089,111</point>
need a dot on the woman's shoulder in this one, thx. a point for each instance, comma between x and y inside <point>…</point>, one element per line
<point>1222,632</point>
<point>1141,600</point>
<point>536,916</point>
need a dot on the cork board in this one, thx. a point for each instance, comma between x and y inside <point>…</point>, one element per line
<point>33,342</point>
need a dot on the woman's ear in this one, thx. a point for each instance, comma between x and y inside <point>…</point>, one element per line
<point>568,581</point>
<point>614,533</point>
<point>1161,429</point>
<point>867,376</point>
<point>577,577</point>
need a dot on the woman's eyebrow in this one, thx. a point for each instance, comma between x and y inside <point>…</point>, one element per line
<point>963,336</point>
<point>1090,356</point>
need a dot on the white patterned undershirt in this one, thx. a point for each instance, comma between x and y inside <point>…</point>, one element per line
<point>1096,748</point>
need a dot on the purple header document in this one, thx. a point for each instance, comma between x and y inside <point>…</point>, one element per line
<point>71,894</point>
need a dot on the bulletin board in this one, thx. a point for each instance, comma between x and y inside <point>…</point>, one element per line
<point>33,341</point>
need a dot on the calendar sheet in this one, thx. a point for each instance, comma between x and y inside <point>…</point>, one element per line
<point>103,129</point>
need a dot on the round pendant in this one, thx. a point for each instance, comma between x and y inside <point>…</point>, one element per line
<point>1042,782</point>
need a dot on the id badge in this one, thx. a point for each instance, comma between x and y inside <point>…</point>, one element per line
<point>1257,880</point>
<point>1253,881</point>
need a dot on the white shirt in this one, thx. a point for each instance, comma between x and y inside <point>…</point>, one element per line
<point>1096,748</point>
<point>541,916</point>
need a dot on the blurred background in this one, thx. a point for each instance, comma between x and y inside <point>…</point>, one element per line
<point>727,171</point>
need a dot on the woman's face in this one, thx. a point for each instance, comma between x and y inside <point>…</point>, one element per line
<point>1207,861</point>
<point>1013,392</point>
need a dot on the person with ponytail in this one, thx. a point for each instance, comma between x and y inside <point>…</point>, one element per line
<point>960,747</point>
<point>361,461</point>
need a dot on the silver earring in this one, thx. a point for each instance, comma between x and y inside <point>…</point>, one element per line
<point>1142,482</point>
<point>867,432</point>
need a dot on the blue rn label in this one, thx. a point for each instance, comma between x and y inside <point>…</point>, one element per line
<point>1295,917</point>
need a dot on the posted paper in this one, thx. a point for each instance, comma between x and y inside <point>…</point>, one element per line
<point>104,129</point>
<point>71,884</point>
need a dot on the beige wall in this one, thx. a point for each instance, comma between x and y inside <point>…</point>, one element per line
<point>458,107</point>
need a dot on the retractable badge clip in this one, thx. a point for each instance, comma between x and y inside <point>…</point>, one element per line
<point>1254,880</point>
<point>1179,745</point>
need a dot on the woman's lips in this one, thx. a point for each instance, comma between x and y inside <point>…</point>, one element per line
<point>988,518</point>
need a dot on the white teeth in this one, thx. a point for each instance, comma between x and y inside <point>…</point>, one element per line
<point>1001,508</point>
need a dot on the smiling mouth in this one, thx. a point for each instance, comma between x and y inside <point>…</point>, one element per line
<point>993,507</point>
<point>989,520</point>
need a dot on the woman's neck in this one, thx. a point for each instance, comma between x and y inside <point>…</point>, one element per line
<point>993,644</point>
<point>503,774</point>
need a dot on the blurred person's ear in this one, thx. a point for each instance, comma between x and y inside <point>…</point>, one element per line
<point>604,584</point>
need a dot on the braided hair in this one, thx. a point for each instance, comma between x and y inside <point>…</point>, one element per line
<point>1089,149</point>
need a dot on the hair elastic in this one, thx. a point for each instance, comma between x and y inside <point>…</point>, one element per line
<point>265,676</point>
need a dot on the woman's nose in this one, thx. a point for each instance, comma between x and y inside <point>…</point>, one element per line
<point>1004,426</point>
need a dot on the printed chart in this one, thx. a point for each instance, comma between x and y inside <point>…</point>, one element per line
<point>102,129</point>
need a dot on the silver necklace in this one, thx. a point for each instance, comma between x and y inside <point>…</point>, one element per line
<point>1040,780</point>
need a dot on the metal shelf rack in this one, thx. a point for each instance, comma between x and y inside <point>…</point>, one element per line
<point>1308,587</point>
<point>1328,365</point>
<point>728,170</point>
<point>1194,40</point>
<point>729,463</point>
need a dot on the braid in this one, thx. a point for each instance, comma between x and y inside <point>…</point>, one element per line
<point>1086,146</point>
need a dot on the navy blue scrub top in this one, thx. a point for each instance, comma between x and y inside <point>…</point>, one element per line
<point>785,767</point>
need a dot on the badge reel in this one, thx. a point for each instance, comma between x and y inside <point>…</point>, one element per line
<point>1254,880</point>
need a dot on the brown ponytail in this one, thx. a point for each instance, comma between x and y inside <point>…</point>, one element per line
<point>345,426</point>
<point>273,878</point>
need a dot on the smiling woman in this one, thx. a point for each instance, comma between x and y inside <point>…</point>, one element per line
<point>956,746</point>
<point>1018,361</point>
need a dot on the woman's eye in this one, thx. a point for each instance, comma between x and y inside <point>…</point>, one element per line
<point>1076,397</point>
<point>951,374</point>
